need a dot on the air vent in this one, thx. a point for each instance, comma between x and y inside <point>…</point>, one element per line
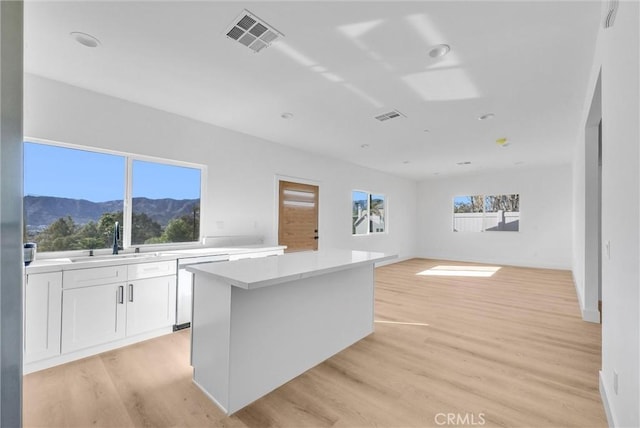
<point>611,9</point>
<point>393,114</point>
<point>252,32</point>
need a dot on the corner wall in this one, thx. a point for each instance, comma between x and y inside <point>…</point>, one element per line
<point>544,239</point>
<point>241,195</point>
<point>617,55</point>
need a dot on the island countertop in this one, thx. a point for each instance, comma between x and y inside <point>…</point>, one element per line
<point>256,273</point>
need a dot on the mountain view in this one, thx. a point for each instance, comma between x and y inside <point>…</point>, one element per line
<point>41,211</point>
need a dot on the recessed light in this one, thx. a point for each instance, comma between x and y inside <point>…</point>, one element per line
<point>464,163</point>
<point>364,146</point>
<point>439,51</point>
<point>85,39</point>
<point>286,115</point>
<point>487,116</point>
<point>405,162</point>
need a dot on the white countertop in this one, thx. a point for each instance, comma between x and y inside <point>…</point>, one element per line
<point>261,272</point>
<point>63,264</point>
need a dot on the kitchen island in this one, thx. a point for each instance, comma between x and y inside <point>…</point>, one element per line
<point>258,323</point>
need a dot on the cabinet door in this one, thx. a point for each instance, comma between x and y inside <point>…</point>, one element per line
<point>151,304</point>
<point>92,316</point>
<point>42,316</point>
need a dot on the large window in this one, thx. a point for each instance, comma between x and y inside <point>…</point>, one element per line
<point>368,213</point>
<point>486,213</point>
<point>73,197</point>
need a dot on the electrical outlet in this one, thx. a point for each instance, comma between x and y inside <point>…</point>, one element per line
<point>220,224</point>
<point>615,382</point>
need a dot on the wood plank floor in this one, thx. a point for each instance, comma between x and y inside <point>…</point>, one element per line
<point>509,350</point>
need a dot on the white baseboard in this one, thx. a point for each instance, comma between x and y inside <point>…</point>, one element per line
<point>494,261</point>
<point>396,260</point>
<point>605,402</point>
<point>83,353</point>
<point>591,315</point>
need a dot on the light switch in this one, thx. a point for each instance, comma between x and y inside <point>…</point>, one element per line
<point>607,247</point>
<point>615,382</point>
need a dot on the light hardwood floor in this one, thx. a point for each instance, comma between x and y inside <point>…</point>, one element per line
<point>510,350</point>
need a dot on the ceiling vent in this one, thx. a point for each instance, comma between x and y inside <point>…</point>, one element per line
<point>393,114</point>
<point>252,32</point>
<point>611,9</point>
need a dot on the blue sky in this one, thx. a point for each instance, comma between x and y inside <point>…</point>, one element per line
<point>99,177</point>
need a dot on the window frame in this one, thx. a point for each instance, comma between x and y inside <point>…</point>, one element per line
<point>386,212</point>
<point>127,208</point>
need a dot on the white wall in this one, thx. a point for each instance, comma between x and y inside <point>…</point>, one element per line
<point>544,239</point>
<point>241,192</point>
<point>617,56</point>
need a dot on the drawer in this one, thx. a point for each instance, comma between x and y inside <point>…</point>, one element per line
<point>94,276</point>
<point>150,270</point>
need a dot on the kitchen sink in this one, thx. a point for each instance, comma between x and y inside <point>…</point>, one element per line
<point>112,257</point>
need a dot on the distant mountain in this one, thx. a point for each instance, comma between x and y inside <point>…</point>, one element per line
<point>44,210</point>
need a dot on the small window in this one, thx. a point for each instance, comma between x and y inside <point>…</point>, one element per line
<point>368,213</point>
<point>486,213</point>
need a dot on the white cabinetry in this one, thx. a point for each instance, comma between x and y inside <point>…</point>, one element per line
<point>42,313</point>
<point>96,310</point>
<point>151,299</point>
<point>92,315</point>
<point>93,307</point>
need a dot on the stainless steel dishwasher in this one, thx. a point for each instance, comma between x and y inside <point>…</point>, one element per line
<point>184,290</point>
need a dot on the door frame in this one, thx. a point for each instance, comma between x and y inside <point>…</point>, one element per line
<point>593,249</point>
<point>276,197</point>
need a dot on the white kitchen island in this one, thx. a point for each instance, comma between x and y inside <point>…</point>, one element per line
<point>258,323</point>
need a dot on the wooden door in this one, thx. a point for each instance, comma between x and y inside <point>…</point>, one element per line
<point>298,216</point>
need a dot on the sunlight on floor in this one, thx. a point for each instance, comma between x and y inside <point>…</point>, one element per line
<point>401,323</point>
<point>477,271</point>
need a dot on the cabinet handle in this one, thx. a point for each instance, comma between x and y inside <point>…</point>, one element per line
<point>131,292</point>
<point>121,294</point>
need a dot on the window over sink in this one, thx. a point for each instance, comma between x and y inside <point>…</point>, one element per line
<point>74,195</point>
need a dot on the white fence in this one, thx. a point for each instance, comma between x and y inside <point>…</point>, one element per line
<point>479,222</point>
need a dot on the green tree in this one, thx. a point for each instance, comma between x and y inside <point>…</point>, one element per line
<point>105,227</point>
<point>59,236</point>
<point>144,229</point>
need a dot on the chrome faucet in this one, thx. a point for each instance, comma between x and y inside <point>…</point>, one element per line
<point>116,237</point>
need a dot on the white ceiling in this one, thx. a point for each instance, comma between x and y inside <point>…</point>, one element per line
<point>339,65</point>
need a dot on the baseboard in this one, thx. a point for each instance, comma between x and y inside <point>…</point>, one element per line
<point>35,366</point>
<point>491,261</point>
<point>591,315</point>
<point>396,260</point>
<point>605,402</point>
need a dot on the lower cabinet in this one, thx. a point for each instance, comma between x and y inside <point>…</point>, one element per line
<point>150,304</point>
<point>97,314</point>
<point>92,316</point>
<point>42,314</point>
